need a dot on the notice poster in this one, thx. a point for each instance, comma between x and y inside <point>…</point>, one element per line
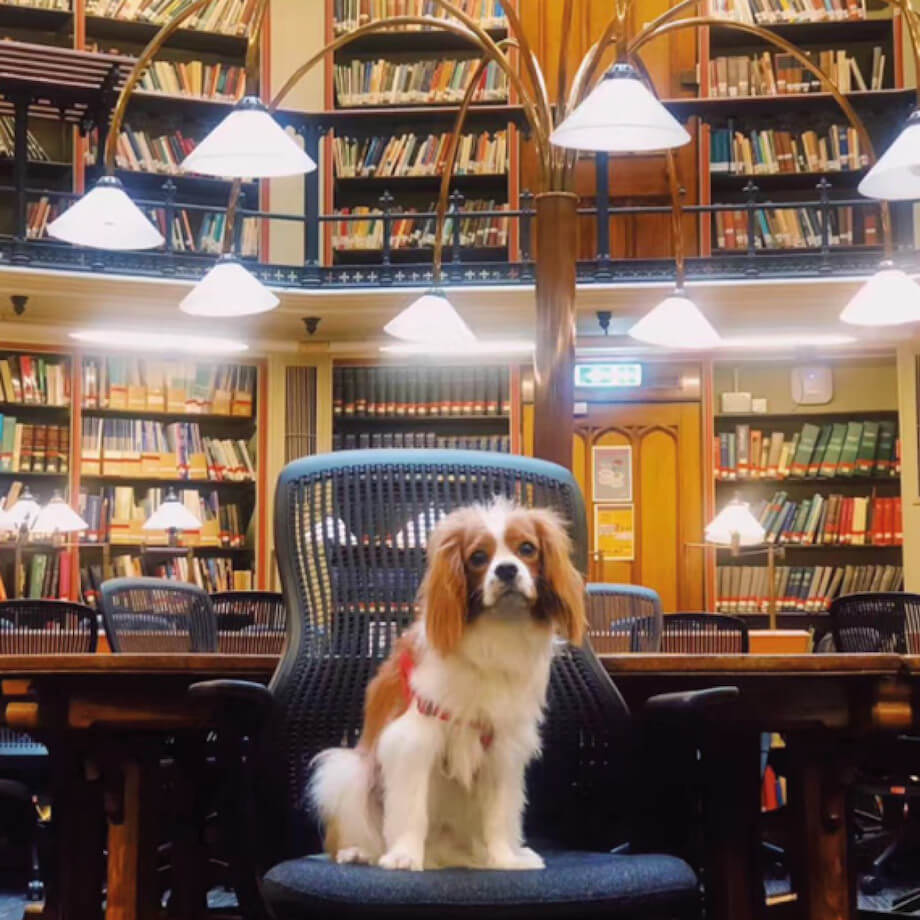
<point>612,473</point>
<point>614,532</point>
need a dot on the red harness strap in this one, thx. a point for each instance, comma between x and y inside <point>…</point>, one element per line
<point>427,707</point>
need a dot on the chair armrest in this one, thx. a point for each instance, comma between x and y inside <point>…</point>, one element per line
<point>242,704</point>
<point>689,702</point>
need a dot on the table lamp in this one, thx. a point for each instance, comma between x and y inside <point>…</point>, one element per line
<point>24,512</point>
<point>736,527</point>
<point>57,517</point>
<point>172,516</point>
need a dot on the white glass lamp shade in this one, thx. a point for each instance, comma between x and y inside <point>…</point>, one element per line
<point>676,323</point>
<point>620,115</point>
<point>896,175</point>
<point>172,515</point>
<point>248,142</point>
<point>26,509</point>
<point>7,522</point>
<point>431,320</point>
<point>106,218</point>
<point>228,290</point>
<point>735,521</point>
<point>58,517</point>
<point>888,298</point>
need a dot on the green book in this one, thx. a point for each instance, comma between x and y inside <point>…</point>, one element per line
<point>865,456</point>
<point>7,442</point>
<point>834,448</point>
<point>814,464</point>
<point>884,455</point>
<point>847,463</point>
<point>37,575</point>
<point>808,437</point>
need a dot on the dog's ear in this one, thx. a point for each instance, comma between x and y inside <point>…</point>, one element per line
<point>443,595</point>
<point>562,589</point>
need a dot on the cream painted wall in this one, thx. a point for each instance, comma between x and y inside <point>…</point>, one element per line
<point>860,384</point>
<point>910,471</point>
<point>297,30</point>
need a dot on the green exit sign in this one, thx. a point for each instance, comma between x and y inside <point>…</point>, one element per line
<point>608,375</point>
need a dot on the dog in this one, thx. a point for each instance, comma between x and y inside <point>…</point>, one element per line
<point>452,717</point>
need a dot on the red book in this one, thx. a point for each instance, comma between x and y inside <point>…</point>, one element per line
<point>898,522</point>
<point>717,458</point>
<point>768,800</point>
<point>844,532</point>
<point>64,575</point>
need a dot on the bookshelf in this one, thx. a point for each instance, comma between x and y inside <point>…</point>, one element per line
<point>369,170</point>
<point>756,105</point>
<point>389,406</point>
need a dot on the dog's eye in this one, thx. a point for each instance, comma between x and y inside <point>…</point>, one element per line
<point>479,558</point>
<point>527,550</point>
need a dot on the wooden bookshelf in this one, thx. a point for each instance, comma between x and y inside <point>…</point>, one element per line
<point>418,193</point>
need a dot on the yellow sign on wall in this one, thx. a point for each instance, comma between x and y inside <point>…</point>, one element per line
<point>614,532</point>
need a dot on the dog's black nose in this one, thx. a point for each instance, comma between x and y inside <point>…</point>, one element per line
<point>507,572</point>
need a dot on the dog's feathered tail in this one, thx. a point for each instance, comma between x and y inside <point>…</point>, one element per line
<point>342,791</point>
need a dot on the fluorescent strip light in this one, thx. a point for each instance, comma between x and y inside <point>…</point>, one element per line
<point>786,340</point>
<point>141,340</point>
<point>467,348</point>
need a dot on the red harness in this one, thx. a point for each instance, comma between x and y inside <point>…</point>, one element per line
<point>427,707</point>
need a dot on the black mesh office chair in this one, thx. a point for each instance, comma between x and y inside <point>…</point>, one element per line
<point>33,627</point>
<point>250,622</point>
<point>155,615</point>
<point>704,634</point>
<point>870,623</point>
<point>623,618</point>
<point>350,530</point>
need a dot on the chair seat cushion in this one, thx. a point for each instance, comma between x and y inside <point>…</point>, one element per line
<point>572,884</point>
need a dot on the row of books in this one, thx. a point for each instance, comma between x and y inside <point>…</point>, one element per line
<point>41,4</point>
<point>780,73</point>
<point>152,385</point>
<point>769,152</point>
<point>420,391</point>
<point>442,81</point>
<point>796,228</point>
<point>348,15</point>
<point>833,520</point>
<point>46,575</point>
<point>139,151</point>
<point>419,232</point>
<point>115,514</point>
<point>8,141</point>
<point>410,440</point>
<point>195,78</point>
<point>210,235</point>
<point>28,448</point>
<point>767,12</point>
<point>773,790</point>
<point>39,213</point>
<point>801,588</point>
<point>419,155</point>
<point>138,448</point>
<point>855,448</point>
<point>34,380</point>
<point>227,17</point>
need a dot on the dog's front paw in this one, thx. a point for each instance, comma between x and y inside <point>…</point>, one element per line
<point>505,857</point>
<point>402,857</point>
<point>353,855</point>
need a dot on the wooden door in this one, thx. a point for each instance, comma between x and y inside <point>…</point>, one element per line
<point>667,495</point>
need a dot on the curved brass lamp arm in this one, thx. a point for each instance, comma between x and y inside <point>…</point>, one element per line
<point>544,105</point>
<point>568,13</point>
<point>676,223</point>
<point>912,22</point>
<point>233,203</point>
<point>865,140</point>
<point>491,51</point>
<point>252,48</point>
<point>143,62</point>
<point>613,33</point>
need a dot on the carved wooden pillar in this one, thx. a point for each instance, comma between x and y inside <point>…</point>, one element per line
<point>556,229</point>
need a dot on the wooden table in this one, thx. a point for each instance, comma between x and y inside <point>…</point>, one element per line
<point>94,712</point>
<point>823,703</point>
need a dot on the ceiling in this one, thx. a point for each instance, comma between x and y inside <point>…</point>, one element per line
<point>351,320</point>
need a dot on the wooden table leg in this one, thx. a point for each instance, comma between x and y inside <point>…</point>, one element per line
<point>132,892</point>
<point>73,882</point>
<point>733,877</point>
<point>817,796</point>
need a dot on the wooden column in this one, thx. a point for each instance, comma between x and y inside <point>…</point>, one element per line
<point>555,354</point>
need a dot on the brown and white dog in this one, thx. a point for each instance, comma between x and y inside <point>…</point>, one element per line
<point>452,718</point>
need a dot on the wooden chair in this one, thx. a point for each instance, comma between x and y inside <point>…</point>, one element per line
<point>250,622</point>
<point>704,634</point>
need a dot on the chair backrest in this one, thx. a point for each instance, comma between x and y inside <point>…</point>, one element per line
<point>704,634</point>
<point>156,615</point>
<point>46,627</point>
<point>250,622</point>
<point>623,618</point>
<point>868,623</point>
<point>350,532</point>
